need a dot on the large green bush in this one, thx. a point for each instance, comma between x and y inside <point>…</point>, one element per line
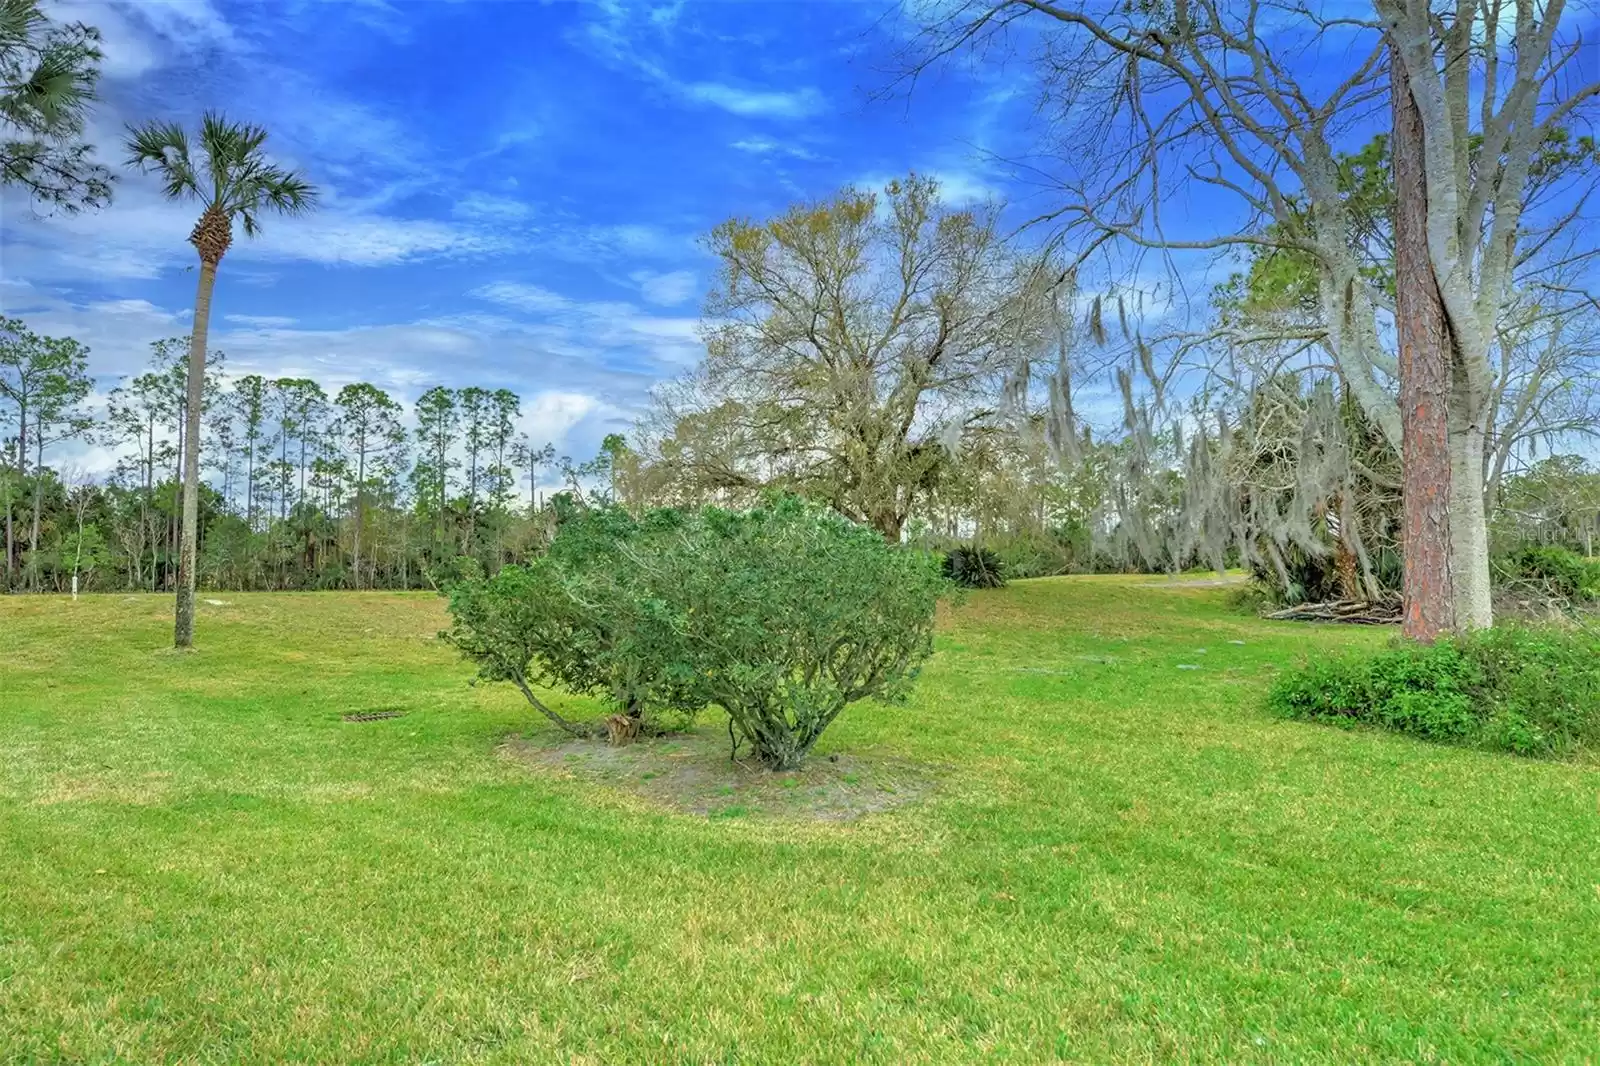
<point>782,615</point>
<point>795,613</point>
<point>587,617</point>
<point>1524,690</point>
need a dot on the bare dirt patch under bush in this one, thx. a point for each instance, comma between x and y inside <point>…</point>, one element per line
<point>691,772</point>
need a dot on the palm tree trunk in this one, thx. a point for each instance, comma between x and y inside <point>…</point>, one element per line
<point>183,627</point>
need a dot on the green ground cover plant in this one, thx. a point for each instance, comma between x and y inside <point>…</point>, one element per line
<point>1528,690</point>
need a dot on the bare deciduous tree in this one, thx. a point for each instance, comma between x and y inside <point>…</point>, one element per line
<point>1216,94</point>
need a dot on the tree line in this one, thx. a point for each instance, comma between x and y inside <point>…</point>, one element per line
<point>304,486</point>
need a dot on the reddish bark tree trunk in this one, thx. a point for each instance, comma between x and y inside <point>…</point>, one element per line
<point>1424,381</point>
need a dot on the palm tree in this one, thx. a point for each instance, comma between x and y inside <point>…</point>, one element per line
<point>230,177</point>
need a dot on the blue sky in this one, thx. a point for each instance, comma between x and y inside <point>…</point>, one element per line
<point>513,192</point>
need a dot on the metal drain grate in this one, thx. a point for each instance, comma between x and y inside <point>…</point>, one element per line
<point>372,716</point>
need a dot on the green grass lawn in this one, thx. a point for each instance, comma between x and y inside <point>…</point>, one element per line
<point>1123,859</point>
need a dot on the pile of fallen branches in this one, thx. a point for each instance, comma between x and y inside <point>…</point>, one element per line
<point>1355,612</point>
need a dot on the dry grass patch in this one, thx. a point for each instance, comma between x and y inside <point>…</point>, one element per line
<point>692,773</point>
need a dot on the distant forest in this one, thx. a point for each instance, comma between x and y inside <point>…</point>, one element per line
<point>304,488</point>
<point>308,487</point>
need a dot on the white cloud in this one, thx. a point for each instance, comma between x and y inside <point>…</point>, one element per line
<point>192,21</point>
<point>260,321</point>
<point>116,332</point>
<point>140,308</point>
<point>636,240</point>
<point>571,327</point>
<point>144,235</point>
<point>551,415</point>
<point>763,103</point>
<point>130,51</point>
<point>665,290</point>
<point>957,188</point>
<point>620,36</point>
<point>365,161</point>
<point>362,240</point>
<point>768,146</point>
<point>962,188</point>
<point>522,296</point>
<point>484,207</point>
<point>139,37</point>
<point>584,366</point>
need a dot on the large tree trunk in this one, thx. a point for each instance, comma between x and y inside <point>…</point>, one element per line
<point>889,523</point>
<point>1429,490</point>
<point>1469,525</point>
<point>183,627</point>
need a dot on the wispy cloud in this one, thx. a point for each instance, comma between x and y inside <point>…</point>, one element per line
<point>140,37</point>
<point>357,240</point>
<point>484,219</point>
<point>487,207</point>
<point>768,146</point>
<point>260,321</point>
<point>665,290</point>
<point>523,296</point>
<point>654,344</point>
<point>146,235</point>
<point>628,37</point>
<point>625,243</point>
<point>765,103</point>
<point>958,187</point>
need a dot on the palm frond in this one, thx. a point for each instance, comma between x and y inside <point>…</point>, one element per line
<point>19,20</point>
<point>287,192</point>
<point>261,186</point>
<point>236,175</point>
<point>230,150</point>
<point>162,149</point>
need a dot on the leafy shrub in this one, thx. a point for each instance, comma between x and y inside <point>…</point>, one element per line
<point>973,567</point>
<point>1532,691</point>
<point>782,615</point>
<point>585,617</point>
<point>1562,571</point>
<point>1033,554</point>
<point>795,613</point>
<point>451,571</point>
